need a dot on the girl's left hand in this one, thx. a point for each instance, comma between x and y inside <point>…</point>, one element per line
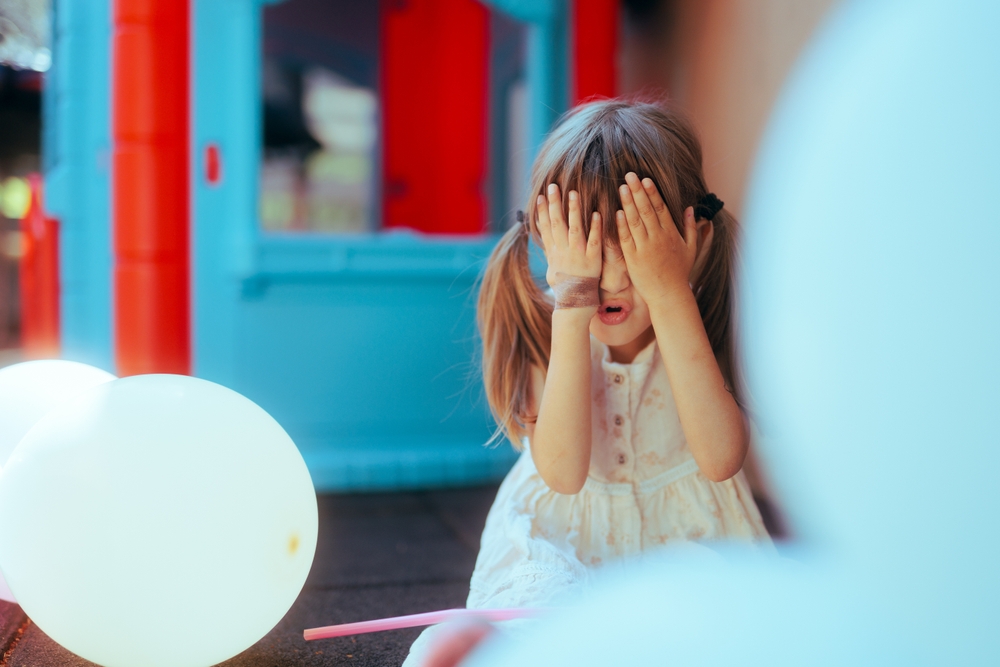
<point>659,260</point>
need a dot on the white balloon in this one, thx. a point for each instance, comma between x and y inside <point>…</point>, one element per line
<point>28,390</point>
<point>5,592</point>
<point>157,520</point>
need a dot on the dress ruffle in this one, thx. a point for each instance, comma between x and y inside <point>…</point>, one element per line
<point>538,545</point>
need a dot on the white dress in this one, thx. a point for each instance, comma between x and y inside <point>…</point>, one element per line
<point>644,491</point>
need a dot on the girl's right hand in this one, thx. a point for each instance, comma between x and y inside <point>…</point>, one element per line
<point>574,271</point>
<point>561,441</point>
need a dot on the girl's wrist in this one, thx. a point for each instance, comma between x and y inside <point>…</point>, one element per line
<point>573,317</point>
<point>571,291</point>
<point>671,299</point>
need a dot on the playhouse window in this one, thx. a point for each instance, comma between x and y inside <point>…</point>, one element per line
<point>324,154</point>
<point>320,116</point>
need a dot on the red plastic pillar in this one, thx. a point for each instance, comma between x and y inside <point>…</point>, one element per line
<point>151,186</point>
<point>594,42</point>
<point>435,63</point>
<point>39,279</point>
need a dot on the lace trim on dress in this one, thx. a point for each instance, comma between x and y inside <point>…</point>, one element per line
<point>668,477</point>
<point>652,485</point>
<point>608,488</point>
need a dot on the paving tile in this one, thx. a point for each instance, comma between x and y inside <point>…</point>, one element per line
<point>383,540</point>
<point>464,511</point>
<point>37,649</point>
<point>12,626</point>
<point>285,646</point>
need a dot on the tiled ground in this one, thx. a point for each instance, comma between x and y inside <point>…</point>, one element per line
<point>378,555</point>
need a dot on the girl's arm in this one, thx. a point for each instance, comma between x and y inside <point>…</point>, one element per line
<point>660,263</point>
<point>561,438</point>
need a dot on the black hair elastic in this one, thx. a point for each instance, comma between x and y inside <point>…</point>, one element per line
<point>707,207</point>
<point>519,216</point>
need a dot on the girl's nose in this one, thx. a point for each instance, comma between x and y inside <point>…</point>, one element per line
<point>614,278</point>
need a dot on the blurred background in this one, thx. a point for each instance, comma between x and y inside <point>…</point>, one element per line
<point>295,198</point>
<point>24,57</point>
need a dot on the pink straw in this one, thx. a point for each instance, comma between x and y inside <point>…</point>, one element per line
<point>417,620</point>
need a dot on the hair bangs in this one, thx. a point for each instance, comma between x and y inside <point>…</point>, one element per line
<point>614,143</point>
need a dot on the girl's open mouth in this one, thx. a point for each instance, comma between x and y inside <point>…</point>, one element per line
<point>613,312</point>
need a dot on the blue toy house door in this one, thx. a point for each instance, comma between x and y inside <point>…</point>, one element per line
<point>363,346</point>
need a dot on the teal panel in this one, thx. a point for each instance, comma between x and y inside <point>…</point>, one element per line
<point>77,150</point>
<point>362,347</point>
<point>226,113</point>
<point>548,51</point>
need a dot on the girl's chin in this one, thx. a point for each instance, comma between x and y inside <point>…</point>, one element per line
<point>614,335</point>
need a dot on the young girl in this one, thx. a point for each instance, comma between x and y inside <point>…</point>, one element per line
<point>622,384</point>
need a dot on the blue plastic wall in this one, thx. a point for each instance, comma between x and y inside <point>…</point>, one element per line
<point>77,162</point>
<point>547,60</point>
<point>363,347</point>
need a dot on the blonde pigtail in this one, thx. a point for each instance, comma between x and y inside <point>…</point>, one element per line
<point>515,324</point>
<point>715,295</point>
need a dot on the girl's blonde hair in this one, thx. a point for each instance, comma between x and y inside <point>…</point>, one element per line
<point>591,151</point>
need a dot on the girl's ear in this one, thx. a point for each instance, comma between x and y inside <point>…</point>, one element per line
<point>706,230</point>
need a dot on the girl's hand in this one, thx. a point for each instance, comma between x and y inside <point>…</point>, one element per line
<point>561,441</point>
<point>660,264</point>
<point>574,271</point>
<point>659,260</point>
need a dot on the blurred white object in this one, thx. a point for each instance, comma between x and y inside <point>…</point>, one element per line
<point>25,34</point>
<point>339,178</point>
<point>339,115</point>
<point>5,592</point>
<point>871,319</point>
<point>30,389</point>
<point>157,520</point>
<point>752,610</point>
<point>871,297</point>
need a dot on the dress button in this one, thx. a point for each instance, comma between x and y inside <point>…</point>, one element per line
<point>621,459</point>
<point>618,379</point>
<point>618,420</point>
